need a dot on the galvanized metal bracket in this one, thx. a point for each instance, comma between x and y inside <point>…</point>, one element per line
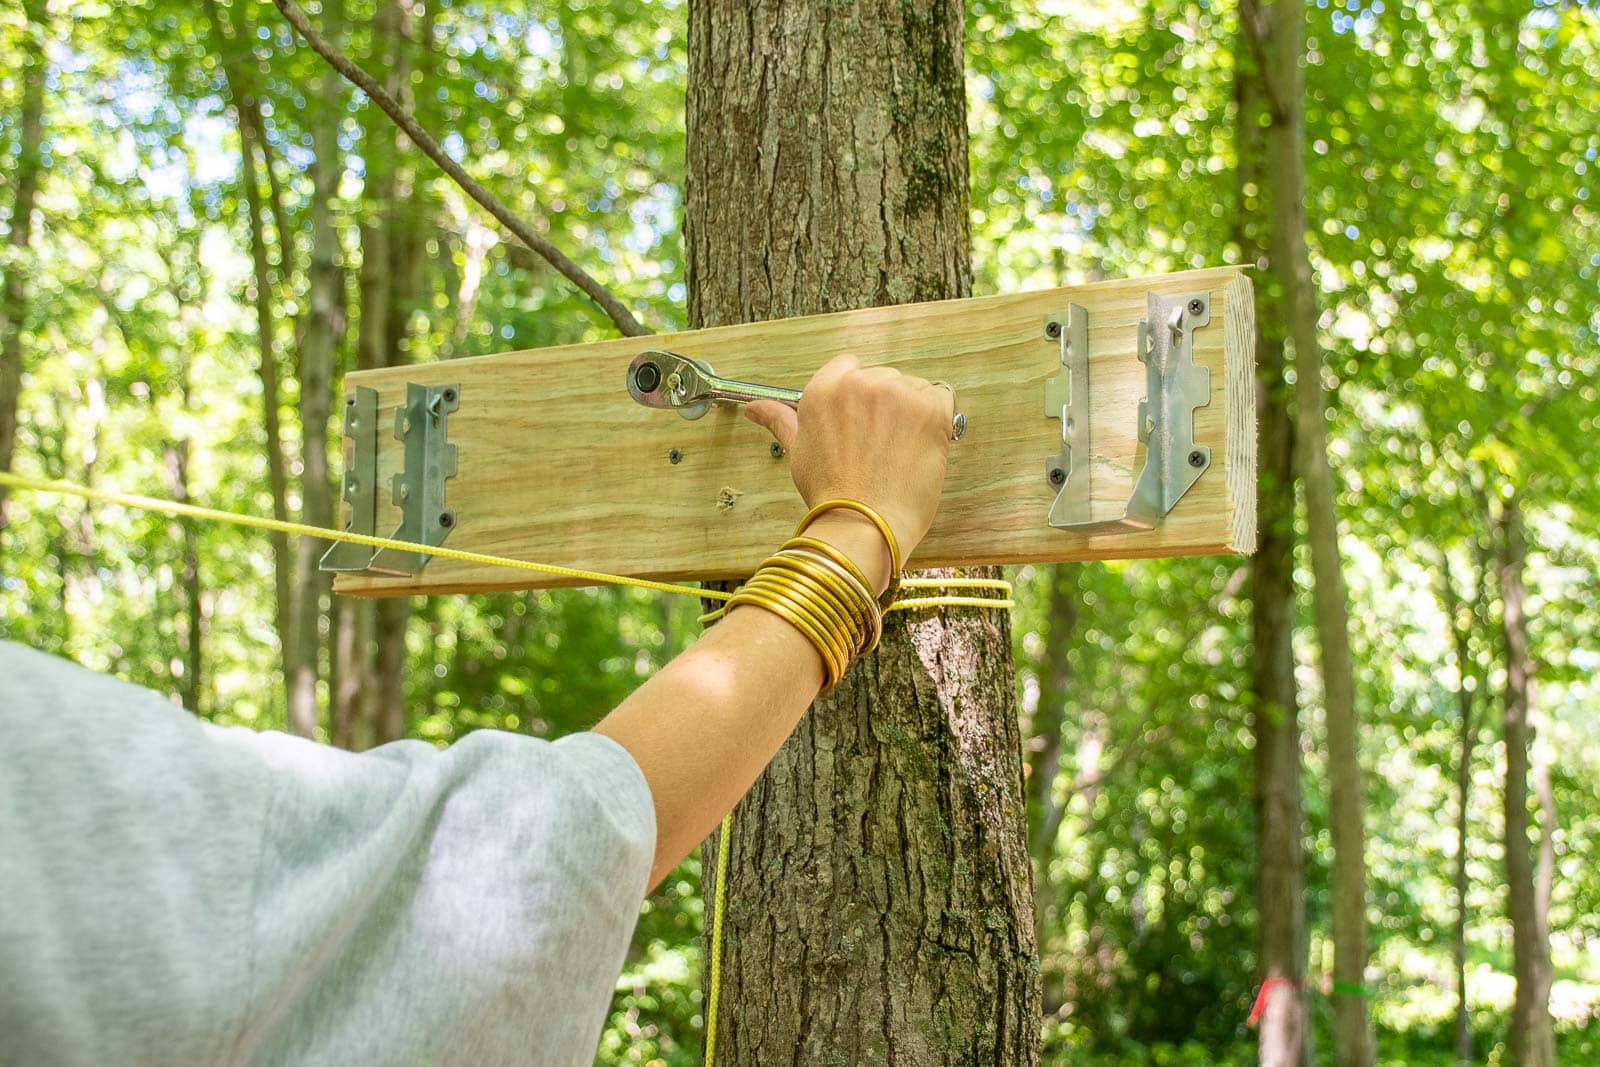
<point>418,489</point>
<point>1174,388</point>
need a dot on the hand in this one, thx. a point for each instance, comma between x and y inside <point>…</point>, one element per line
<point>869,434</point>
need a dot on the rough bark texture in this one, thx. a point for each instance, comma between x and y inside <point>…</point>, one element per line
<point>1532,1039</point>
<point>13,267</point>
<point>1284,1031</point>
<point>1280,50</point>
<point>880,904</point>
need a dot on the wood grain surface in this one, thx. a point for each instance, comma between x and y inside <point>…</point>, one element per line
<point>557,464</point>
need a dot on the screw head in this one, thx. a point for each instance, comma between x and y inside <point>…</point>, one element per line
<point>1196,306</point>
<point>450,396</point>
<point>776,450</point>
<point>350,401</point>
<point>1052,330</point>
<point>1057,476</point>
<point>1197,458</point>
<point>675,455</point>
<point>646,377</point>
<point>446,519</point>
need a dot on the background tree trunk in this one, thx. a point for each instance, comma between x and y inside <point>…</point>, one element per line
<point>1280,49</point>
<point>370,653</point>
<point>1462,618</point>
<point>324,328</point>
<point>1532,1038</point>
<point>13,269</point>
<point>1044,743</point>
<point>1284,1030</point>
<point>240,91</point>
<point>880,904</point>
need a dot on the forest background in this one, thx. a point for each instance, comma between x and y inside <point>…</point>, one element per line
<point>204,229</point>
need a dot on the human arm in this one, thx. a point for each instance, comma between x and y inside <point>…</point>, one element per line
<point>703,728</point>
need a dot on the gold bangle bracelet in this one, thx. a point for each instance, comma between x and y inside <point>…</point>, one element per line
<point>852,596</point>
<point>830,667</point>
<point>874,619</point>
<point>836,555</point>
<point>846,593</point>
<point>822,601</point>
<point>895,561</point>
<point>786,601</point>
<point>827,616</point>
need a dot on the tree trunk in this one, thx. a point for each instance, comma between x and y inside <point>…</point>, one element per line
<point>1281,53</point>
<point>241,98</point>
<point>1284,1035</point>
<point>14,268</point>
<point>1532,1039</point>
<point>367,709</point>
<point>879,897</point>
<point>324,327</point>
<point>1462,618</point>
<point>192,689</point>
<point>1044,744</point>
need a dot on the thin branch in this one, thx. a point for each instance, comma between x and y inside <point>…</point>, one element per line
<point>550,253</point>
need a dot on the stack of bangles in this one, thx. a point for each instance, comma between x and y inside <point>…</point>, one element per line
<point>818,589</point>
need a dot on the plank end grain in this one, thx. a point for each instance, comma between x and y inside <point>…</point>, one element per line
<point>1239,369</point>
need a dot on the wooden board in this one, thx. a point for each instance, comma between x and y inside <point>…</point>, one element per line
<point>557,464</point>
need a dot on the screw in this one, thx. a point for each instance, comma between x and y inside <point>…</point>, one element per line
<point>450,396</point>
<point>674,456</point>
<point>1196,306</point>
<point>1052,330</point>
<point>349,401</point>
<point>1197,458</point>
<point>1057,476</point>
<point>777,450</point>
<point>446,519</point>
<point>647,377</point>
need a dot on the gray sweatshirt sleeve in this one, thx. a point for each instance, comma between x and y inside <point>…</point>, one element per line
<point>172,891</point>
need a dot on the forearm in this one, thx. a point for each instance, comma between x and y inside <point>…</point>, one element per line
<point>707,724</point>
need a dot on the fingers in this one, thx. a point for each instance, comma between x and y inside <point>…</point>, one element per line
<point>778,419</point>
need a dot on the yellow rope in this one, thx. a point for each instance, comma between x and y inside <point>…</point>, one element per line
<point>173,507</point>
<point>723,841</point>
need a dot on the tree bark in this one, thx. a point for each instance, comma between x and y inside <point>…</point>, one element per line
<point>1284,1031</point>
<point>14,267</point>
<point>879,897</point>
<point>1532,1038</point>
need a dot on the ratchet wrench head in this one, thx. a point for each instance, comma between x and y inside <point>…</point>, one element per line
<point>667,380</point>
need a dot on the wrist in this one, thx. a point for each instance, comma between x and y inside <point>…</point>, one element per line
<point>854,534</point>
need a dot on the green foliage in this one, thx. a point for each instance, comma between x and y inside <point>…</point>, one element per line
<point>1452,161</point>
